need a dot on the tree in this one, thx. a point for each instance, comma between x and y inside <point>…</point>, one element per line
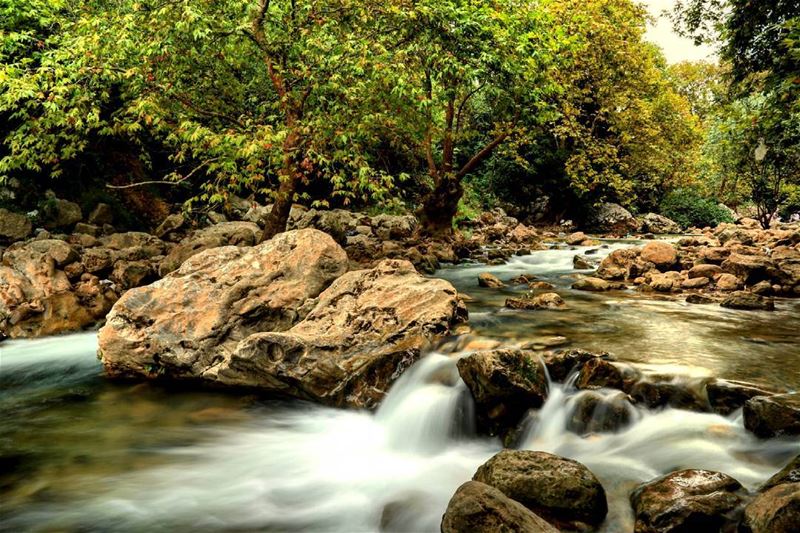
<point>463,75</point>
<point>257,96</point>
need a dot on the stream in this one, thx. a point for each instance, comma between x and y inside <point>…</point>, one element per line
<point>79,453</point>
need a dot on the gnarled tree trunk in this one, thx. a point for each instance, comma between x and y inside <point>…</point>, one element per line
<point>439,207</point>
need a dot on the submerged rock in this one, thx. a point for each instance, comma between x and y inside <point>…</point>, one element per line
<point>549,300</point>
<point>775,511</point>
<point>688,500</point>
<point>748,301</point>
<point>504,384</point>
<point>479,508</point>
<point>490,281</point>
<point>282,317</point>
<point>562,491</point>
<point>592,285</point>
<point>772,416</point>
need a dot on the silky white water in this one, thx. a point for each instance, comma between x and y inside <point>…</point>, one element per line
<point>79,453</point>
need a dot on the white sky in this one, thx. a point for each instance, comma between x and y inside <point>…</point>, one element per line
<point>675,48</point>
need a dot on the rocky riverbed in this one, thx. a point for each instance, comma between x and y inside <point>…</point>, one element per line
<point>697,396</point>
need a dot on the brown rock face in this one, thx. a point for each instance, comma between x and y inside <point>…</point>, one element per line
<point>662,254</point>
<point>562,491</point>
<point>726,397</point>
<point>788,474</point>
<point>479,508</point>
<point>750,268</point>
<point>224,234</point>
<point>688,500</point>
<point>504,384</point>
<point>599,373</point>
<point>592,285</point>
<point>275,317</point>
<point>14,226</point>
<point>774,511</point>
<point>771,416</point>
<point>37,297</point>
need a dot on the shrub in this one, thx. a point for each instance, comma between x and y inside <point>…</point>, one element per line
<point>688,208</point>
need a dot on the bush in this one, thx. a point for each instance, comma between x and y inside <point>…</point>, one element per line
<point>688,208</point>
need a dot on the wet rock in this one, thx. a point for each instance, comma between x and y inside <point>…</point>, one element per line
<point>562,491</point>
<point>662,254</point>
<point>490,281</point>
<point>688,500</point>
<point>576,238</point>
<point>613,218</point>
<point>705,271</point>
<point>579,262</point>
<point>504,385</point>
<point>747,301</point>
<point>763,288</point>
<point>598,413</point>
<point>726,397</point>
<point>599,373</point>
<point>523,279</point>
<point>225,234</point>
<point>522,234</point>
<point>658,224</point>
<point>14,226</point>
<point>479,508</point>
<point>561,364</point>
<point>541,286</point>
<point>788,474</point>
<point>773,416</point>
<point>621,264</point>
<point>665,394</point>
<point>699,299</point>
<point>775,511</point>
<point>541,301</point>
<point>281,317</point>
<point>592,284</point>
<point>57,213</point>
<point>101,215</point>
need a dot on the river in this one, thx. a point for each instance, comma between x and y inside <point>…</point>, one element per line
<point>79,453</point>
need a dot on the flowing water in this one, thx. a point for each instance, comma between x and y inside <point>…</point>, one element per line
<point>78,453</point>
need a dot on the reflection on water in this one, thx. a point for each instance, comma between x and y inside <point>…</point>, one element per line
<point>78,453</point>
<point>761,347</point>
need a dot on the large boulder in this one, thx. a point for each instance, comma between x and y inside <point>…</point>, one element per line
<point>281,317</point>
<point>623,264</point>
<point>775,511</point>
<point>37,297</point>
<point>750,268</point>
<point>216,236</point>
<point>662,254</point>
<point>688,500</point>
<point>14,226</point>
<point>772,416</point>
<point>337,223</point>
<point>725,397</point>
<point>613,218</point>
<point>394,227</point>
<point>562,491</point>
<point>658,224</point>
<point>479,508</point>
<point>504,384</point>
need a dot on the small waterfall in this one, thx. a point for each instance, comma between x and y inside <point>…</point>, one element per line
<point>428,407</point>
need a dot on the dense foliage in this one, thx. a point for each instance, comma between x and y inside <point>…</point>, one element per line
<point>441,107</point>
<point>689,208</point>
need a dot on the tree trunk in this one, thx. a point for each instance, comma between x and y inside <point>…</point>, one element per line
<point>279,215</point>
<point>290,177</point>
<point>439,207</point>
